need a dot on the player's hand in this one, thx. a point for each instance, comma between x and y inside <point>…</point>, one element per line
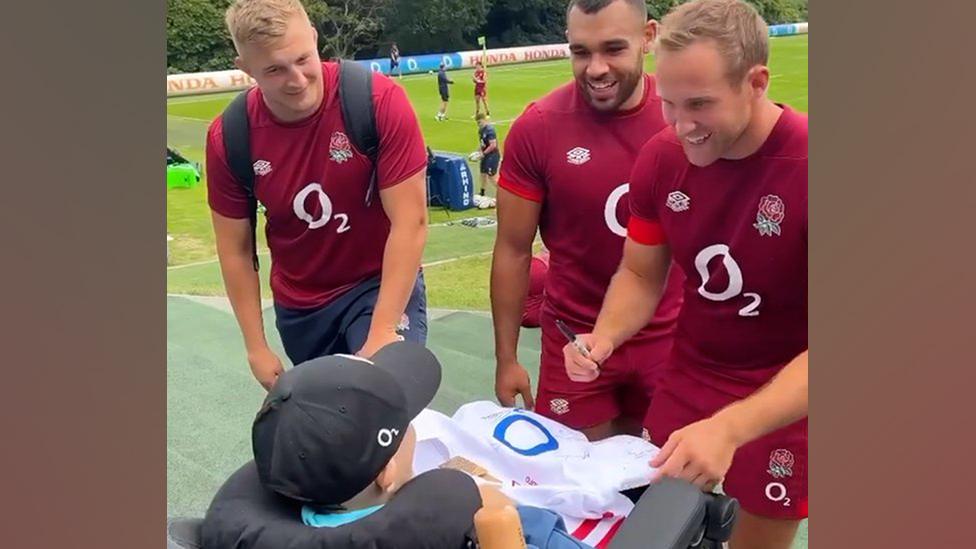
<point>265,366</point>
<point>511,380</point>
<point>586,368</point>
<point>700,453</point>
<point>375,342</point>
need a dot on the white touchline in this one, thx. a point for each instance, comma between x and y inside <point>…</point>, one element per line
<point>468,121</point>
<point>204,262</point>
<point>265,252</point>
<point>188,118</point>
<point>424,265</point>
<point>453,259</point>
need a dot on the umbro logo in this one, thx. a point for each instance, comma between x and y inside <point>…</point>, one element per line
<point>262,167</point>
<point>678,201</point>
<point>578,155</point>
<point>559,406</point>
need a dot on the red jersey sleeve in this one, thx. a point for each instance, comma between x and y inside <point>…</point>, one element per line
<point>644,226</point>
<point>523,168</point>
<point>224,193</point>
<point>402,152</point>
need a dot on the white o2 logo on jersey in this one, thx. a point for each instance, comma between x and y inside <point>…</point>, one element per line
<point>776,492</point>
<point>610,210</point>
<point>299,207</point>
<point>735,279</point>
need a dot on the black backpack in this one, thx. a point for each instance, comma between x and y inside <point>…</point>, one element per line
<point>356,101</point>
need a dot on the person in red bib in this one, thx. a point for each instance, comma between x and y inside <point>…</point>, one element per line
<point>722,191</point>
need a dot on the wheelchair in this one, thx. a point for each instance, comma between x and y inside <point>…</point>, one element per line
<point>669,514</point>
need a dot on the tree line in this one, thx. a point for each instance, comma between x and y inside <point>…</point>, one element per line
<point>197,39</point>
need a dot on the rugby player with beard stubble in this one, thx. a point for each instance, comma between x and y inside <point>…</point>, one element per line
<point>567,163</point>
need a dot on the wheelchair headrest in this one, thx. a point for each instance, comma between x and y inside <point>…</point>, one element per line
<point>246,515</point>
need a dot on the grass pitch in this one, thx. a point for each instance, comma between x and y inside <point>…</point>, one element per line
<point>211,397</point>
<point>462,282</point>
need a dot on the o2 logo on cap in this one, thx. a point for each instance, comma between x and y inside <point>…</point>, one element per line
<point>385,436</point>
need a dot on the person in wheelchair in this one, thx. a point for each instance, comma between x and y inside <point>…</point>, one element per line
<point>333,467</point>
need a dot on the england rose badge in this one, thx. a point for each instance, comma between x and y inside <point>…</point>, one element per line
<point>339,147</point>
<point>770,215</point>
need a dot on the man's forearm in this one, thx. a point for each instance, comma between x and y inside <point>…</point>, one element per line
<point>628,306</point>
<point>509,286</point>
<point>244,293</point>
<point>401,262</point>
<point>779,403</point>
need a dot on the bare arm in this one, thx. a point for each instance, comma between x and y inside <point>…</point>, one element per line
<point>518,220</point>
<point>405,205</point>
<point>240,279</point>
<point>629,305</point>
<point>492,146</point>
<point>634,291</point>
<point>233,238</point>
<point>779,403</point>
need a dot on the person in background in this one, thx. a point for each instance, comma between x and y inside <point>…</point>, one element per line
<point>491,156</point>
<point>442,88</point>
<point>480,79</point>
<point>395,61</point>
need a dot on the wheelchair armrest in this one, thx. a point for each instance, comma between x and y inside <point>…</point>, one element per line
<point>183,533</point>
<point>669,515</point>
<point>721,511</point>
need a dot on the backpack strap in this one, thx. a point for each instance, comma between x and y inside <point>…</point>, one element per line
<point>356,102</point>
<point>237,148</point>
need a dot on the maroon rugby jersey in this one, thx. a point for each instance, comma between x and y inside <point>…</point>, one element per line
<point>323,238</point>
<point>481,80</point>
<point>738,228</point>
<point>576,161</point>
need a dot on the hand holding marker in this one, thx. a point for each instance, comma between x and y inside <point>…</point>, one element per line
<point>573,339</point>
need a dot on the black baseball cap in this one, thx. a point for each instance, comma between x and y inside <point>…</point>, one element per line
<point>331,424</point>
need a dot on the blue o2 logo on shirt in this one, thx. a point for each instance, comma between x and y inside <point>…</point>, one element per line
<point>501,431</point>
